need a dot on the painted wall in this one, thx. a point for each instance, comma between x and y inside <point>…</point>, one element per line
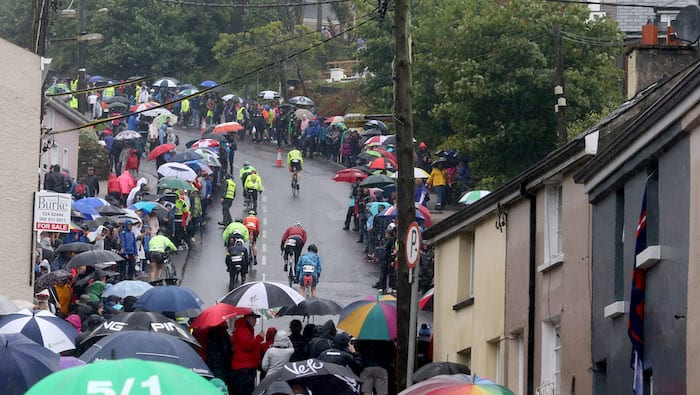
<point>21,80</point>
<point>65,152</point>
<point>666,282</point>
<point>693,314</point>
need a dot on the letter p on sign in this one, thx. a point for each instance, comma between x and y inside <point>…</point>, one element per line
<point>413,244</point>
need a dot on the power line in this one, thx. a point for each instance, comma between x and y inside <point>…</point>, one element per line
<point>588,2</point>
<point>200,4</point>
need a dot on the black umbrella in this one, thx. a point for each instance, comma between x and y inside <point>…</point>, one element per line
<point>150,197</point>
<point>441,161</point>
<point>106,221</point>
<point>437,368</point>
<point>93,257</point>
<point>313,306</point>
<point>140,321</point>
<point>110,210</point>
<point>377,180</point>
<point>77,246</point>
<point>376,124</point>
<point>316,376</point>
<point>371,132</point>
<point>185,156</point>
<point>48,280</point>
<point>149,346</point>
<point>214,136</point>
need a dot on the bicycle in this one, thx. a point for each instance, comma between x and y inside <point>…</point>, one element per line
<point>307,280</point>
<point>248,199</point>
<point>236,275</point>
<point>295,183</point>
<point>289,260</point>
<point>169,274</point>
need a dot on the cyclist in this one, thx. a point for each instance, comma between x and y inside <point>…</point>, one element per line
<point>236,229</point>
<point>253,224</point>
<point>245,170</point>
<point>158,247</point>
<point>309,263</point>
<point>295,161</point>
<point>253,186</point>
<point>293,240</point>
<point>236,254</point>
<point>227,200</point>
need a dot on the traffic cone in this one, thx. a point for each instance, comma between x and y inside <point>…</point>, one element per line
<point>278,162</point>
<point>204,126</point>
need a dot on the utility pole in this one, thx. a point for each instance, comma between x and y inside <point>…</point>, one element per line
<point>82,55</point>
<point>560,107</point>
<point>403,102</point>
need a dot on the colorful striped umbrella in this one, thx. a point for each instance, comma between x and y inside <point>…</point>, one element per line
<point>369,319</point>
<point>456,384</point>
<point>426,301</point>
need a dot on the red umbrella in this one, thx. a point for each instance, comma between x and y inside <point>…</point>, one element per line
<point>426,301</point>
<point>126,182</point>
<point>386,154</point>
<point>217,314</point>
<point>227,127</point>
<point>426,213</point>
<point>205,143</point>
<point>349,175</point>
<point>160,150</point>
<point>382,164</point>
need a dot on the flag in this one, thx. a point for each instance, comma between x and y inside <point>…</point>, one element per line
<point>635,323</point>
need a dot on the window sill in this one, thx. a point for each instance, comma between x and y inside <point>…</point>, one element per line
<point>463,304</point>
<point>616,309</point>
<point>554,261</point>
<point>649,257</point>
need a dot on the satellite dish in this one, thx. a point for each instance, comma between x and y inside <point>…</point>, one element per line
<point>687,25</point>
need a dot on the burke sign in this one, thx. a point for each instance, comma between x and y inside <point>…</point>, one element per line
<point>52,211</point>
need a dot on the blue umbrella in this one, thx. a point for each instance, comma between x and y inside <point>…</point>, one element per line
<point>208,84</point>
<point>97,78</point>
<point>149,346</point>
<point>41,326</point>
<point>377,207</point>
<point>23,363</point>
<point>94,202</point>
<point>170,298</point>
<point>85,209</point>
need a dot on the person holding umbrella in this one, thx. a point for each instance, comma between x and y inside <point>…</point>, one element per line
<point>438,181</point>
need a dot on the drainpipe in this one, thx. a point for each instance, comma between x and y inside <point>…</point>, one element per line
<point>531,290</point>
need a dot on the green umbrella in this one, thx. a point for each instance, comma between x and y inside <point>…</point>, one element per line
<point>472,196</point>
<point>124,376</point>
<point>160,119</point>
<point>174,183</point>
<point>188,92</point>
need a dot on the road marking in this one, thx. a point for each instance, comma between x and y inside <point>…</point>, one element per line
<point>263,277</point>
<point>264,223</point>
<point>264,209</point>
<point>264,260</point>
<point>264,198</point>
<point>264,248</point>
<point>264,234</point>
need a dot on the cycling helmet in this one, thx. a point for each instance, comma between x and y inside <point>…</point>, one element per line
<point>313,248</point>
<point>299,224</point>
<point>246,163</point>
<point>238,220</point>
<point>251,212</point>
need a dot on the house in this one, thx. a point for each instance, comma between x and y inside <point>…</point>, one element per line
<point>21,73</point>
<point>61,148</point>
<point>630,16</point>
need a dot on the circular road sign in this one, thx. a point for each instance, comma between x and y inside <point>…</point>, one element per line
<point>413,244</point>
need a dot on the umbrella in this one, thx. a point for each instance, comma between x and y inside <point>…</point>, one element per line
<point>439,161</point>
<point>262,295</point>
<point>127,135</point>
<point>227,127</point>
<point>188,92</point>
<point>231,96</point>
<point>376,140</point>
<point>391,213</point>
<point>144,106</point>
<point>160,150</point>
<point>160,119</point>
<point>217,314</point>
<point>426,303</point>
<point>425,212</point>
<point>177,170</point>
<point>417,173</point>
<point>126,288</point>
<point>335,120</point>
<point>125,376</point>
<point>456,384</point>
<point>85,209</point>
<point>472,196</point>
<point>7,306</point>
<point>118,105</point>
<point>199,165</point>
<point>170,298</point>
<point>141,321</point>
<point>369,155</point>
<point>110,210</point>
<point>185,156</point>
<point>149,207</point>
<point>376,180</point>
<point>155,112</point>
<point>376,124</point>
<point>371,132</point>
<point>186,86</point>
<point>205,143</point>
<point>94,202</point>
<point>175,183</point>
<point>77,246</point>
<point>382,298</point>
<point>268,95</point>
<point>42,327</point>
<point>369,319</point>
<point>93,257</point>
<point>301,112</point>
<point>166,82</point>
<point>301,101</point>
<point>69,362</point>
<point>313,306</point>
<point>208,84</point>
<point>48,280</point>
<point>377,207</point>
<point>437,368</point>
<point>349,175</point>
<point>210,157</point>
<point>220,89</point>
<point>382,164</point>
<point>149,346</point>
<point>97,78</point>
<point>24,363</point>
<point>386,154</point>
<point>214,136</point>
<point>316,376</point>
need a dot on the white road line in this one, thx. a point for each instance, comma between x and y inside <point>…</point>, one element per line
<point>264,248</point>
<point>264,260</point>
<point>264,234</point>
<point>264,198</point>
<point>264,209</point>
<point>264,223</point>
<point>263,277</point>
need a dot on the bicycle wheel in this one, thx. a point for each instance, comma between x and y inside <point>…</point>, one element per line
<point>290,274</point>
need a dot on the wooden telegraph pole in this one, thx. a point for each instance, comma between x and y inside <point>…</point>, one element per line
<point>403,120</point>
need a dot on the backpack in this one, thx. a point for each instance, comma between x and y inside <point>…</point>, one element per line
<point>132,162</point>
<point>65,184</point>
<point>79,191</point>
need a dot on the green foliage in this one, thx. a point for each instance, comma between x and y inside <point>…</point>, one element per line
<point>16,22</point>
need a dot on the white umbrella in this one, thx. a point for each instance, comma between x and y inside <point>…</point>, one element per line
<point>262,295</point>
<point>166,82</point>
<point>177,170</point>
<point>154,112</point>
<point>301,101</point>
<point>127,135</point>
<point>417,173</point>
<point>268,95</point>
<point>472,196</point>
<point>43,327</point>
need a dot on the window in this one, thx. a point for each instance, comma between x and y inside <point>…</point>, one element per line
<point>553,226</point>
<point>521,363</point>
<point>494,360</point>
<point>464,357</point>
<point>619,257</point>
<point>466,267</point>
<point>551,358</point>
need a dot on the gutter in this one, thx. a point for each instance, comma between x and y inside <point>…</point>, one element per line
<point>531,289</point>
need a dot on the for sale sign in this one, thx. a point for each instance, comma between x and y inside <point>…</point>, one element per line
<point>52,211</point>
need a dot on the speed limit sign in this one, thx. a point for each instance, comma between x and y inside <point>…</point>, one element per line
<point>413,244</point>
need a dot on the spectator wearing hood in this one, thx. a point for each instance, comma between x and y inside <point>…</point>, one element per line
<point>423,156</point>
<point>246,356</point>
<point>298,340</point>
<point>278,354</point>
<point>310,138</point>
<point>343,353</point>
<point>74,319</point>
<point>323,341</point>
<point>128,250</point>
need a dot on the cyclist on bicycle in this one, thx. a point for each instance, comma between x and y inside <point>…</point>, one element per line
<point>236,229</point>
<point>158,247</point>
<point>253,224</point>
<point>252,187</point>
<point>236,255</point>
<point>293,240</point>
<point>245,170</point>
<point>309,264</point>
<point>295,161</point>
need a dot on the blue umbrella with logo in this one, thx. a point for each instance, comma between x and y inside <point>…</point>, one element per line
<point>24,363</point>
